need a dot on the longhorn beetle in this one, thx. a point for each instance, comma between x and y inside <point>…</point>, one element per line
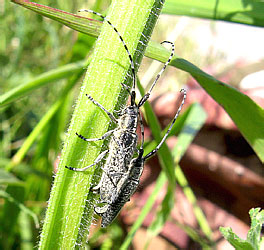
<point>121,172</point>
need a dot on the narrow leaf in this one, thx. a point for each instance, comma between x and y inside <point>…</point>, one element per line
<point>73,21</point>
<point>193,124</point>
<point>246,114</point>
<point>7,178</point>
<point>40,81</point>
<point>238,11</point>
<point>22,207</point>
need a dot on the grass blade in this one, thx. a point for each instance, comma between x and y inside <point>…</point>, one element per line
<point>232,11</point>
<point>40,81</point>
<point>246,114</point>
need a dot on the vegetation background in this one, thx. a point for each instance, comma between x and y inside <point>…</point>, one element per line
<point>33,53</point>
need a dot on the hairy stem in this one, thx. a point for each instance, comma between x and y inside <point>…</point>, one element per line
<point>70,209</point>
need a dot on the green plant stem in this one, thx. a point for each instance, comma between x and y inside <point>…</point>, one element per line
<point>70,212</point>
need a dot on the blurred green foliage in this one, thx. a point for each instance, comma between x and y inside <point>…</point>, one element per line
<point>31,45</point>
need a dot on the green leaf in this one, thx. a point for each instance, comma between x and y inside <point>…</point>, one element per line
<point>73,21</point>
<point>26,233</point>
<point>257,221</point>
<point>13,205</point>
<point>40,81</point>
<point>162,215</point>
<point>234,240</point>
<point>253,241</point>
<point>7,178</point>
<point>194,122</point>
<point>250,12</point>
<point>14,198</point>
<point>15,202</point>
<point>31,138</point>
<point>247,115</point>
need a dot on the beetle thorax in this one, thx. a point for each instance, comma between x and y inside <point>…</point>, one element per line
<point>129,119</point>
